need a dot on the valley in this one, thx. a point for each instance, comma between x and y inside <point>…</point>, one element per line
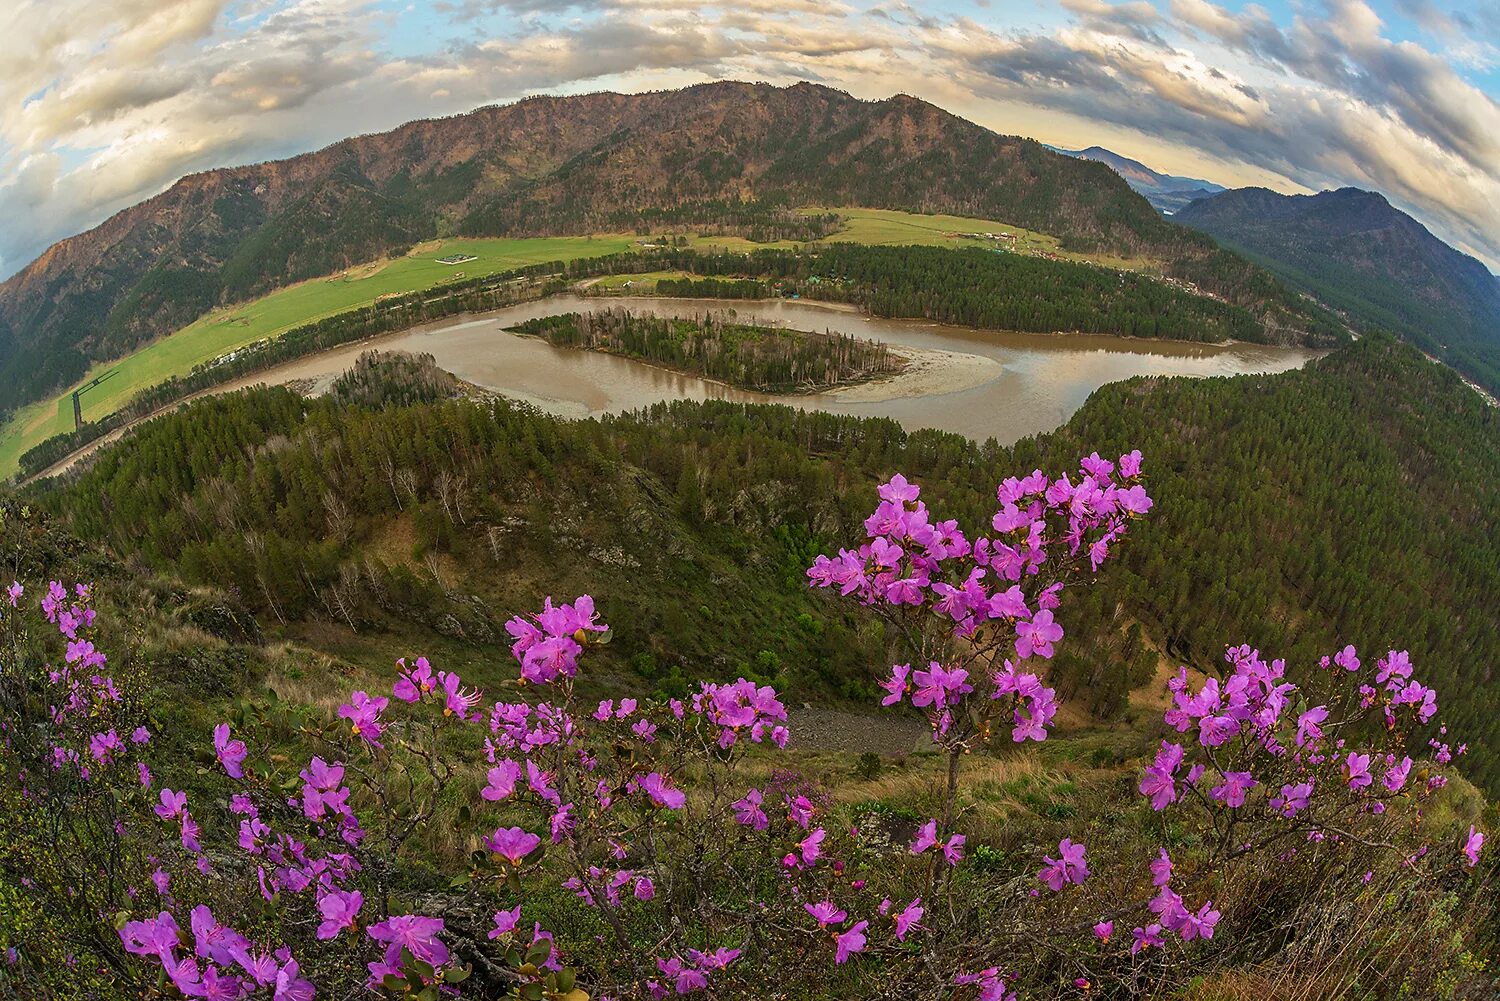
<point>226,330</point>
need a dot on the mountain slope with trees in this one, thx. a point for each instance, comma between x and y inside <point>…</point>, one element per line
<point>1349,502</point>
<point>1376,264</point>
<point>730,155</point>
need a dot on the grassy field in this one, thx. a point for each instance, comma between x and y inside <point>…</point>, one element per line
<point>224,330</point>
<point>886,226</point>
<point>643,282</point>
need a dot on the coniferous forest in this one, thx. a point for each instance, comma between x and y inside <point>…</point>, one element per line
<point>1283,500</point>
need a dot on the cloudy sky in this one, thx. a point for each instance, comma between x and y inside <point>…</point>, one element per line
<point>105,102</point>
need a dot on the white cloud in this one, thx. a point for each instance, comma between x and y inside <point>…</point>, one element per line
<point>103,104</point>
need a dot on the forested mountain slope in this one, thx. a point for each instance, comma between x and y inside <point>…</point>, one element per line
<point>1371,261</point>
<point>733,155</point>
<point>1350,502</point>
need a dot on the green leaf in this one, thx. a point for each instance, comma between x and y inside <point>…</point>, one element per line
<point>532,992</point>
<point>538,953</point>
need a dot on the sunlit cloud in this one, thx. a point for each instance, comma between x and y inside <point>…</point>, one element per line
<point>103,104</point>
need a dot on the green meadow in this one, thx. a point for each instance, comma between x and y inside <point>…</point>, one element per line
<point>231,327</point>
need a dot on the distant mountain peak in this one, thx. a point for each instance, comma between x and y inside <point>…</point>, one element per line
<point>1167,192</point>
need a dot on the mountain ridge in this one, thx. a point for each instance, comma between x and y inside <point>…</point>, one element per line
<point>1359,254</point>
<point>1167,193</point>
<point>729,152</point>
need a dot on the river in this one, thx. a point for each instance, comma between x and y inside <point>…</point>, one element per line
<point>977,383</point>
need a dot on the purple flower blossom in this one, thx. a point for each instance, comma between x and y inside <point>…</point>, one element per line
<point>340,910</point>
<point>1146,938</point>
<point>501,781</point>
<point>172,805</point>
<point>412,932</point>
<point>512,844</point>
<point>939,687</point>
<point>1395,776</point>
<point>896,685</point>
<point>363,714</point>
<point>413,683</point>
<point>748,812</point>
<point>848,943</point>
<point>1472,846</point>
<point>1068,867</point>
<point>825,913</point>
<point>1357,770</point>
<point>909,918</point>
<point>655,786</point>
<point>1232,792</point>
<point>230,753</point>
<point>1037,635</point>
<point>1308,730</point>
<point>1293,799</point>
<point>506,922</point>
<point>1161,869</point>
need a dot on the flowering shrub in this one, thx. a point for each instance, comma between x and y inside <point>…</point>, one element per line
<point>650,828</point>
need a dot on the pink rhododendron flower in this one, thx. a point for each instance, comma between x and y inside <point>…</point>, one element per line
<point>926,838</point>
<point>848,943</point>
<point>1292,799</point>
<point>825,913</point>
<point>415,682</point>
<point>340,911</point>
<point>501,781</point>
<point>512,843</point>
<point>1161,869</point>
<point>748,812</point>
<point>363,714</point>
<point>1038,635</point>
<point>1146,938</point>
<point>412,932</point>
<point>1472,846</point>
<point>1234,788</point>
<point>655,786</point>
<point>909,918</point>
<point>506,922</point>
<point>1357,770</point>
<point>1068,867</point>
<point>230,753</point>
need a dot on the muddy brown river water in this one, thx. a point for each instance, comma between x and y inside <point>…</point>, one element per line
<point>977,383</point>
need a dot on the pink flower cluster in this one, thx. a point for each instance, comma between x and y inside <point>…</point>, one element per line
<point>1172,915</point>
<point>231,966</point>
<point>548,644</point>
<point>911,561</point>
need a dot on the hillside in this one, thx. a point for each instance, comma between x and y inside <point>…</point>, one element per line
<point>1167,193</point>
<point>736,157</point>
<point>1281,500</point>
<point>1375,263</point>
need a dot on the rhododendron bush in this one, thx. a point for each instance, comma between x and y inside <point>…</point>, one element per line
<point>633,848</point>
